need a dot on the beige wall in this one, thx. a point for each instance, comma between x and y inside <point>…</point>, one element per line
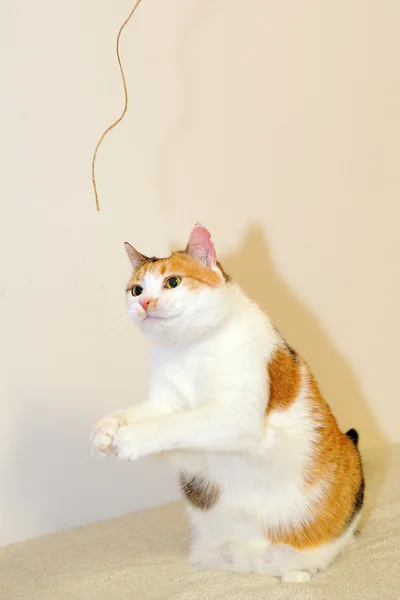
<point>277,125</point>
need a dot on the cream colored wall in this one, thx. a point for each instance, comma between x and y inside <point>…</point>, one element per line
<point>277,125</point>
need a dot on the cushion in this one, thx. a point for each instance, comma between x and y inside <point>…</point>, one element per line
<point>143,556</point>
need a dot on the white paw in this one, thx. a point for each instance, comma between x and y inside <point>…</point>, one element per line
<point>274,561</point>
<point>103,434</point>
<point>227,557</point>
<point>296,577</point>
<point>134,441</point>
<point>126,445</point>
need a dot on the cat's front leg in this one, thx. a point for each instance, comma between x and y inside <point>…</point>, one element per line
<point>214,429</point>
<point>105,430</point>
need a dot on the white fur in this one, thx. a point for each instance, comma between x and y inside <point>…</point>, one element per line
<point>206,408</point>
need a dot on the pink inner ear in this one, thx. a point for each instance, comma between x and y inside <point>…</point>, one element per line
<point>201,247</point>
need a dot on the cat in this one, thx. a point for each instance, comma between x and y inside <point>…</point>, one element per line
<point>271,483</point>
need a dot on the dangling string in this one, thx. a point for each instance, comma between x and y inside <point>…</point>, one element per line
<point>124,24</point>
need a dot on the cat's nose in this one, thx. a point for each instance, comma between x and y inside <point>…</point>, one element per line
<point>146,302</point>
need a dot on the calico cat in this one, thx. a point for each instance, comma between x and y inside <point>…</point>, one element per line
<point>271,483</point>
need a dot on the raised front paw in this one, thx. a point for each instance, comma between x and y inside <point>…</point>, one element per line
<point>133,441</point>
<point>103,435</point>
<point>125,444</point>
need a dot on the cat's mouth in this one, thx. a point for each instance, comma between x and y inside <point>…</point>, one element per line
<point>152,317</point>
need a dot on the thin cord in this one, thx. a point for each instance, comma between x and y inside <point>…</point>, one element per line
<point>125,107</point>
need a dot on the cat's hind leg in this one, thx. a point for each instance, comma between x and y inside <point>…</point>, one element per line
<point>222,542</point>
<point>295,565</point>
<point>227,556</point>
<point>251,556</point>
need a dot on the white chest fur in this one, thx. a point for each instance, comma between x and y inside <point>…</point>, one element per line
<point>233,357</point>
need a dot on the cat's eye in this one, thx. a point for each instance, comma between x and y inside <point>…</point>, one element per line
<point>173,282</point>
<point>136,290</point>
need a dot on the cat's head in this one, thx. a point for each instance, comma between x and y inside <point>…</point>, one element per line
<point>179,298</point>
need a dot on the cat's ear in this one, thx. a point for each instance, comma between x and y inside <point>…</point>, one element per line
<point>135,258</point>
<point>200,246</point>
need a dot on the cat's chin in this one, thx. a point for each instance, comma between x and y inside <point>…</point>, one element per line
<point>158,319</point>
<point>141,318</point>
<point>155,323</point>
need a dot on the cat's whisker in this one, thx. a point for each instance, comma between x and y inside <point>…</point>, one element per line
<point>121,327</point>
<point>124,317</point>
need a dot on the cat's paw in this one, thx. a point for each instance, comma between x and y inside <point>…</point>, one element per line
<point>126,443</point>
<point>134,441</point>
<point>229,556</point>
<point>103,434</point>
<point>296,576</point>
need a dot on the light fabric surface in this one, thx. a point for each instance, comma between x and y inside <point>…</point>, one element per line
<point>143,556</point>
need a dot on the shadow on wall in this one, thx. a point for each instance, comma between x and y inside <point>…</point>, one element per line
<point>251,266</point>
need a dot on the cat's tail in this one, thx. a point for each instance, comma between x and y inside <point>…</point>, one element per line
<point>353,435</point>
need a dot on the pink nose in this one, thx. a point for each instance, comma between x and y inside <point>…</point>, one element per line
<point>144,302</point>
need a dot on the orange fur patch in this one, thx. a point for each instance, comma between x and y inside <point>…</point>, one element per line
<point>335,462</point>
<point>284,379</point>
<point>193,273</point>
